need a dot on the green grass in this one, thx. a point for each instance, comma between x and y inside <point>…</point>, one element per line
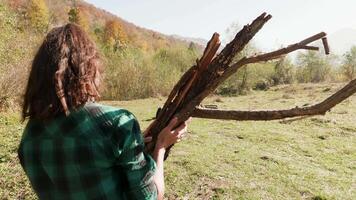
<point>311,158</point>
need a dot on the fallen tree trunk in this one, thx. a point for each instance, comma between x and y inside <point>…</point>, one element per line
<point>210,71</point>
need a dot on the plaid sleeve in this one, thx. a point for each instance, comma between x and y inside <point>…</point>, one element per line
<point>138,167</point>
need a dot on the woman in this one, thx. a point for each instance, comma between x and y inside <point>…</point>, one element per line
<point>74,148</point>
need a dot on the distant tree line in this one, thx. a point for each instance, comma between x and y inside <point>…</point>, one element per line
<point>306,67</point>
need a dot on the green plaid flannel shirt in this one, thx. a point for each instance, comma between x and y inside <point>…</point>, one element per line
<point>94,153</point>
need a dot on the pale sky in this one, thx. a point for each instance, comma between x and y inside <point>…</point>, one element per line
<point>292,21</point>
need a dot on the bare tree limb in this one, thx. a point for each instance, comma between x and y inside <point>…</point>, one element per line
<point>219,65</point>
<point>263,58</point>
<point>317,109</point>
<point>280,52</point>
<point>310,48</point>
<point>326,45</point>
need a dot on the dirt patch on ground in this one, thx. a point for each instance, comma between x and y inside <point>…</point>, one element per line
<point>206,188</point>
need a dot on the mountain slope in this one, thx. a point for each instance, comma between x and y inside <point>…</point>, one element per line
<point>97,18</point>
<point>154,39</point>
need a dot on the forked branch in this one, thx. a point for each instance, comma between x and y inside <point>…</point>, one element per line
<point>275,54</point>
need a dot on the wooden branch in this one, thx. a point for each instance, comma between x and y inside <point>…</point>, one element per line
<point>219,64</point>
<point>326,45</point>
<point>225,57</point>
<point>214,83</point>
<point>310,48</point>
<point>209,52</point>
<point>317,109</point>
<point>183,107</point>
<point>266,57</point>
<point>180,91</point>
<point>278,53</point>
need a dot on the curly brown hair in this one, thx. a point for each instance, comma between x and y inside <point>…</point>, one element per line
<point>65,74</point>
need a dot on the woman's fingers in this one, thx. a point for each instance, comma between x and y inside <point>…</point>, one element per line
<point>181,136</point>
<point>172,123</point>
<point>183,126</point>
<point>148,128</point>
<point>180,132</point>
<point>147,139</point>
<point>189,120</point>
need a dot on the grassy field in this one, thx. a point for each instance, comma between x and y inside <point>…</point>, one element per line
<point>312,158</point>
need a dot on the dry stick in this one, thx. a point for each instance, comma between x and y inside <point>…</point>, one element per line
<point>207,57</point>
<point>317,109</point>
<point>189,74</point>
<point>180,90</point>
<point>310,48</point>
<point>209,51</point>
<point>170,106</point>
<point>225,57</point>
<point>186,88</point>
<point>219,63</point>
<point>267,56</point>
<point>326,45</point>
<point>173,94</point>
<point>278,53</point>
<point>186,83</point>
<point>189,109</point>
<point>221,66</point>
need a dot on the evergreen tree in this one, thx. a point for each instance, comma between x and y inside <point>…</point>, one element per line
<point>77,16</point>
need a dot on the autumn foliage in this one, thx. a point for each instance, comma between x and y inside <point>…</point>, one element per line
<point>38,15</point>
<point>114,34</point>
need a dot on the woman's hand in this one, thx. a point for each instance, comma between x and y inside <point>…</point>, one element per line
<point>169,135</point>
<point>146,137</point>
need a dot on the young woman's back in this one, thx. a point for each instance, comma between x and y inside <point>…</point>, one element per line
<point>95,152</point>
<point>73,148</point>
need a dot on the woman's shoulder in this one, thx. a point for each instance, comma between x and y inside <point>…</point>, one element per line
<point>97,109</point>
<point>116,115</point>
<point>121,121</point>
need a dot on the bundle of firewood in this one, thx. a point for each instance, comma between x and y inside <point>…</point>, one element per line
<point>211,70</point>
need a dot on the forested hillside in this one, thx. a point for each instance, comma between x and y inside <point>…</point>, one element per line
<point>138,62</point>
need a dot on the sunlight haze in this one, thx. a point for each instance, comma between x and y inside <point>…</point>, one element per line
<point>292,20</point>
